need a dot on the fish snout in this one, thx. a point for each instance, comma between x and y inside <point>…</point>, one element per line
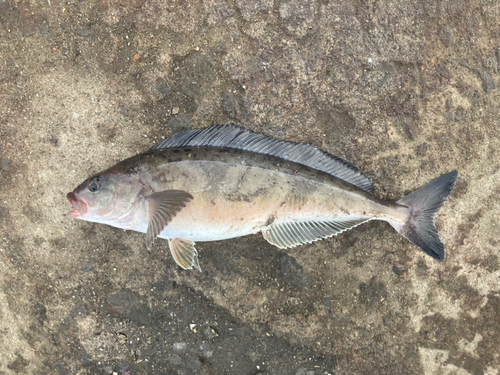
<point>80,208</point>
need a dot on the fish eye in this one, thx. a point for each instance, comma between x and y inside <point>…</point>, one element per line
<point>94,184</point>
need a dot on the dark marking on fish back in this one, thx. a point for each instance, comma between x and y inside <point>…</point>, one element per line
<point>270,220</point>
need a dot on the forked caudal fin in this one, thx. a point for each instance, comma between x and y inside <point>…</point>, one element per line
<point>424,203</point>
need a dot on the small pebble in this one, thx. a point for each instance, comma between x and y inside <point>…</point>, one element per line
<point>179,346</point>
<point>206,350</point>
<point>175,359</point>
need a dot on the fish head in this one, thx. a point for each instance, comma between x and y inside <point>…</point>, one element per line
<point>104,197</point>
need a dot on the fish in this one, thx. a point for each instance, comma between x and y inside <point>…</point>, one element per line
<point>226,181</point>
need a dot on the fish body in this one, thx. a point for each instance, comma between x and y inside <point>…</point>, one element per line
<point>225,181</point>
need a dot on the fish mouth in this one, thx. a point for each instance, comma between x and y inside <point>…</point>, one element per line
<point>80,208</point>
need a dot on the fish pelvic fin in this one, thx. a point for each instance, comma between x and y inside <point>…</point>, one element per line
<point>163,206</point>
<point>294,233</point>
<point>184,253</point>
<point>424,204</point>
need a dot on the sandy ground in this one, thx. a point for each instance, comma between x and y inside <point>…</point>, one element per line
<point>405,90</point>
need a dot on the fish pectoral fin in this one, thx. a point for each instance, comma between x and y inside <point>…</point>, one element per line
<point>163,206</point>
<point>293,233</point>
<point>184,253</point>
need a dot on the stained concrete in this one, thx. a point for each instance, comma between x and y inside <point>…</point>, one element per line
<point>405,90</point>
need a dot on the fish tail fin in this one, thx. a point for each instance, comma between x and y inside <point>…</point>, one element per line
<point>424,204</point>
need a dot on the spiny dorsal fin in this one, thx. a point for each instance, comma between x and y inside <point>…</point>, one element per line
<point>237,137</point>
<point>294,233</point>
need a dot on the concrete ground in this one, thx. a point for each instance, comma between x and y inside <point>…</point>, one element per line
<point>405,90</point>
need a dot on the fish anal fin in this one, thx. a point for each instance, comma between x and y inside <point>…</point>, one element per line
<point>294,233</point>
<point>163,206</point>
<point>184,253</point>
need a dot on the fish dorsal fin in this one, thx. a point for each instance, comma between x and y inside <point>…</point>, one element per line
<point>237,137</point>
<point>294,233</point>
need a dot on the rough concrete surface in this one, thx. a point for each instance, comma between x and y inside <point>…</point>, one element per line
<point>405,90</point>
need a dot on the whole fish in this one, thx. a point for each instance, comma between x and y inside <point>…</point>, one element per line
<point>226,181</point>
